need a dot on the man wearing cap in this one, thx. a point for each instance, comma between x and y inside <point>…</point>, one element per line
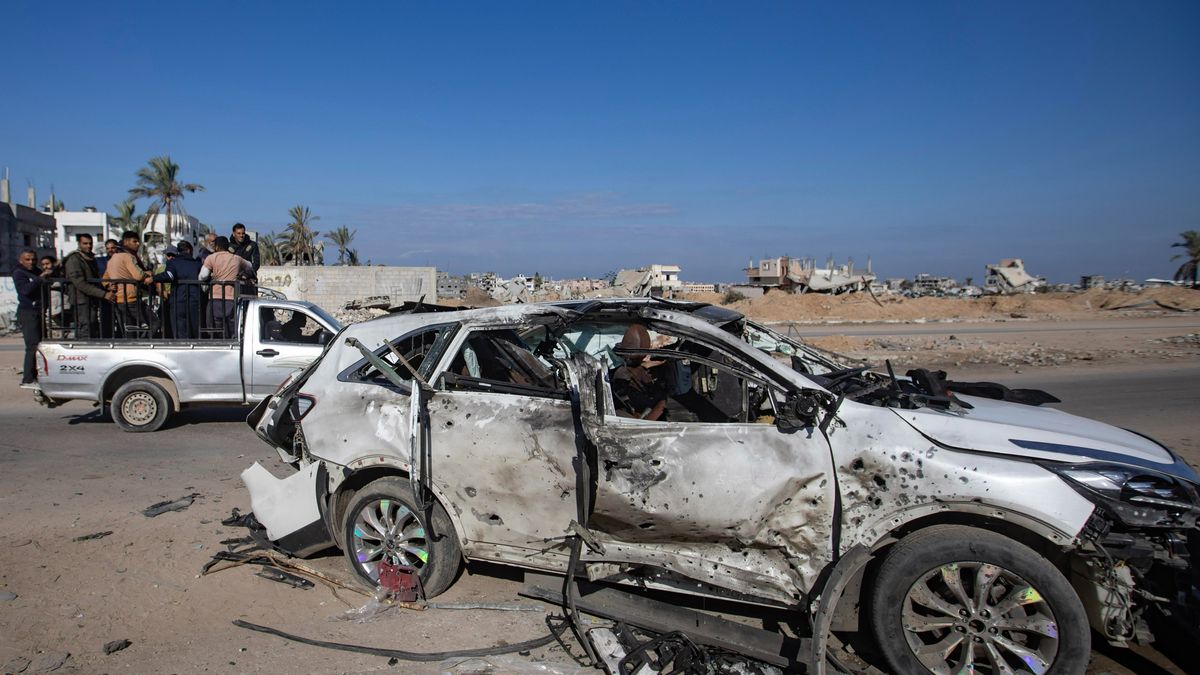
<point>182,271</point>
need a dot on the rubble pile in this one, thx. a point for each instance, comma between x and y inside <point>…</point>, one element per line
<point>955,352</point>
<point>349,316</point>
<point>1189,340</point>
<point>860,307</point>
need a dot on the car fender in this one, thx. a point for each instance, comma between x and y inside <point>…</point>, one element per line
<point>393,466</point>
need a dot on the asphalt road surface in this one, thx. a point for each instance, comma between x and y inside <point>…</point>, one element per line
<point>69,472</point>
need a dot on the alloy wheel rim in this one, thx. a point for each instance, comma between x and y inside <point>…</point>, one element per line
<point>139,408</point>
<point>386,529</point>
<point>974,617</point>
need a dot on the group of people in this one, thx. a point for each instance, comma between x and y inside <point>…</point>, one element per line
<point>120,295</point>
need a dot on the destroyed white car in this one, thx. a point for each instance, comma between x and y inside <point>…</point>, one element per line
<point>964,526</point>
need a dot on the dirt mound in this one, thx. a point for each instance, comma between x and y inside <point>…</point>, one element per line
<point>780,306</point>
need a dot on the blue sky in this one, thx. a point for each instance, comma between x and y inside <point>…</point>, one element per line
<point>572,138</point>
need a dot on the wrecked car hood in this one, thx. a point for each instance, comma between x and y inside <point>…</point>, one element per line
<point>1040,433</point>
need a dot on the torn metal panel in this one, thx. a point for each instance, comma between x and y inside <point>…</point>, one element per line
<point>507,464</point>
<point>727,488</point>
<point>889,476</point>
<point>289,508</point>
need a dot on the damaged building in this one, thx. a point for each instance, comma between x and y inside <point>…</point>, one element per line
<point>1009,277</point>
<point>801,275</point>
<point>652,280</point>
<point>22,227</point>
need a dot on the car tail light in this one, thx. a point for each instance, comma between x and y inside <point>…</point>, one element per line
<point>301,404</point>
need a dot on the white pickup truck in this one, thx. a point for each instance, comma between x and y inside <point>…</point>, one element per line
<point>144,381</point>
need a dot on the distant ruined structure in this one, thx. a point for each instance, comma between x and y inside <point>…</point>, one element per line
<point>1009,276</point>
<point>801,275</point>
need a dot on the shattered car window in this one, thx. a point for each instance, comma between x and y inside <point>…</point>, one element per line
<point>420,350</point>
<point>501,357</point>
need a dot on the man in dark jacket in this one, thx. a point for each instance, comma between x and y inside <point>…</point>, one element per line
<point>241,245</point>
<point>85,296</point>
<point>111,247</point>
<point>30,283</point>
<point>183,273</point>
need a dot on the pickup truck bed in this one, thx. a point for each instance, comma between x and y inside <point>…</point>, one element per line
<point>145,381</point>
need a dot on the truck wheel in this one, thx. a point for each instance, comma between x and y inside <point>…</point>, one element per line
<point>140,405</point>
<point>952,599</point>
<point>382,523</point>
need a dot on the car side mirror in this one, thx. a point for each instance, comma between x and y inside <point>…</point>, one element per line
<point>798,411</point>
<point>324,337</point>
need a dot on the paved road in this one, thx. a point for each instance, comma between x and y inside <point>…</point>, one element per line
<point>69,471</point>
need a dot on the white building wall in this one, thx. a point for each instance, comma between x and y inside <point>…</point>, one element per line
<point>72,223</point>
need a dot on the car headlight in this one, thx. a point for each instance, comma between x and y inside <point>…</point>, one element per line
<point>1129,484</point>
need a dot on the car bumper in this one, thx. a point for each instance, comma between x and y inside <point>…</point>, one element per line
<point>290,508</point>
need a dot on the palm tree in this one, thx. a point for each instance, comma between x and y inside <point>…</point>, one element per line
<point>299,240</point>
<point>341,238</point>
<point>268,246</point>
<point>1189,269</point>
<point>127,218</point>
<point>159,181</point>
<point>352,257</point>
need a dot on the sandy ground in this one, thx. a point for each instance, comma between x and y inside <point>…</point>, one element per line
<point>69,472</point>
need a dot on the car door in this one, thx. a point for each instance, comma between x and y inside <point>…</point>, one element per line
<point>737,503</point>
<point>503,444</point>
<point>286,338</point>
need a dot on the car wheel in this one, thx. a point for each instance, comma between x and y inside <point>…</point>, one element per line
<point>382,523</point>
<point>955,599</point>
<point>140,405</point>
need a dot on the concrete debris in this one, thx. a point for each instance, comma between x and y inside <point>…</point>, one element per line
<point>116,646</point>
<point>370,302</point>
<point>1189,340</point>
<point>349,316</point>
<point>48,661</point>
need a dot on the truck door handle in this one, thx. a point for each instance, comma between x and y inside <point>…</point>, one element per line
<point>267,352</point>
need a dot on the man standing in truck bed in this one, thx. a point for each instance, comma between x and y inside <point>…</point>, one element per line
<point>125,275</point>
<point>81,269</point>
<point>223,268</point>
<point>241,245</point>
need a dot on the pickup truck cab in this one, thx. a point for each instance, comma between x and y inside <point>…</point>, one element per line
<point>144,381</point>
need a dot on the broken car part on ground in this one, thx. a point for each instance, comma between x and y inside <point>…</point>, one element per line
<point>973,527</point>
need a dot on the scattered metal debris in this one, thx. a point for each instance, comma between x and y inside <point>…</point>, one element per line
<point>116,646</point>
<point>278,575</point>
<point>94,535</point>
<point>489,606</point>
<point>6,596</point>
<point>422,657</point>
<point>170,505</point>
